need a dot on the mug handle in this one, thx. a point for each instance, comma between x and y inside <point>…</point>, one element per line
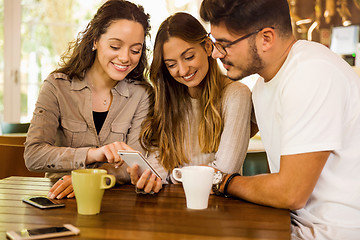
<point>103,184</point>
<point>175,174</point>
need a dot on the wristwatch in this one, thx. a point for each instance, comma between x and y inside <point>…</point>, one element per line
<point>218,180</point>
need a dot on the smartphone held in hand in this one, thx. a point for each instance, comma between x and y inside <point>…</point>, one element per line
<point>43,233</point>
<point>43,202</point>
<point>132,157</point>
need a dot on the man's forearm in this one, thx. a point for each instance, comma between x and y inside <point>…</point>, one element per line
<point>290,188</point>
<point>264,189</point>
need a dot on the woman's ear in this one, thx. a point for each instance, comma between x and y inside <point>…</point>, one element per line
<point>208,47</point>
<point>94,47</point>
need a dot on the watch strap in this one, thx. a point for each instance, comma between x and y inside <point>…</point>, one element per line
<point>228,182</point>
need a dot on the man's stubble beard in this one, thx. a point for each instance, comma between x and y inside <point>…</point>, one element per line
<point>255,65</point>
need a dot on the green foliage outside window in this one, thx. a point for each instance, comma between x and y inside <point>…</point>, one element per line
<point>47,28</point>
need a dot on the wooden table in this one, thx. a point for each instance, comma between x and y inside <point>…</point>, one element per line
<point>126,215</point>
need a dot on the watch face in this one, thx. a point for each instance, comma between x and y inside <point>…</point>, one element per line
<point>217,177</point>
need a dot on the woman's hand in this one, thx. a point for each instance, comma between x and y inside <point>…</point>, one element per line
<point>62,188</point>
<point>148,181</point>
<point>126,147</point>
<point>107,153</point>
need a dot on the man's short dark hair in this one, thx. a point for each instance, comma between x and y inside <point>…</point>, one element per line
<point>248,15</point>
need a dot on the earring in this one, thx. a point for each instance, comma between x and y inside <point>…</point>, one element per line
<point>93,48</point>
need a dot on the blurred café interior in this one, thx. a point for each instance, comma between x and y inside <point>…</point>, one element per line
<point>34,34</point>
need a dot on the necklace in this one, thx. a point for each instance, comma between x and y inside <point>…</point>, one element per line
<point>105,100</point>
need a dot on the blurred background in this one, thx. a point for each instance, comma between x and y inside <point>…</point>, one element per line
<point>34,34</point>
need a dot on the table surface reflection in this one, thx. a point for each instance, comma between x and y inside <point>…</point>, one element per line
<point>126,215</point>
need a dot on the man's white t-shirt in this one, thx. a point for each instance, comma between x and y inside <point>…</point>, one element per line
<point>311,105</point>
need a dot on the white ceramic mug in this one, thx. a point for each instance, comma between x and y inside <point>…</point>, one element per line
<point>197,182</point>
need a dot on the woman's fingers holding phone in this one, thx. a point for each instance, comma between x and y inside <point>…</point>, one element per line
<point>149,182</point>
<point>143,180</point>
<point>133,171</point>
<point>158,185</point>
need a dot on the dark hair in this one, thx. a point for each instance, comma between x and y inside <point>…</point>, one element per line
<point>248,15</point>
<point>166,126</point>
<point>79,57</point>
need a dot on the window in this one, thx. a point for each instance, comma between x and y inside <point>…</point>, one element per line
<point>44,29</point>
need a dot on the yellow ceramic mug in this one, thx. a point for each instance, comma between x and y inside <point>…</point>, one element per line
<point>89,186</point>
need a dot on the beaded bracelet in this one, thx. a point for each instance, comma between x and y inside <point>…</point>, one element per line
<point>228,182</point>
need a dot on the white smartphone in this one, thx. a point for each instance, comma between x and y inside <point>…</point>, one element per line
<point>132,157</point>
<point>43,233</point>
<point>43,202</point>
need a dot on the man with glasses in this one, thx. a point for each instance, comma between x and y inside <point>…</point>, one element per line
<point>307,108</point>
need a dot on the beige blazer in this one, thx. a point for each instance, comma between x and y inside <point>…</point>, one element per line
<point>62,129</point>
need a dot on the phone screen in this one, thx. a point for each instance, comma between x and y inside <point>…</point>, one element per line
<point>42,201</point>
<point>41,231</point>
<point>131,157</point>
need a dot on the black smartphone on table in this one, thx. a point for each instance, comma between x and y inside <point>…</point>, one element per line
<point>43,202</point>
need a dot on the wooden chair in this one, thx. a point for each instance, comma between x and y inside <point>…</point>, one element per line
<point>12,162</point>
<point>14,127</point>
<point>255,163</point>
<point>12,140</point>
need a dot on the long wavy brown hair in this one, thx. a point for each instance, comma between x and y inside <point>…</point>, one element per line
<point>79,57</point>
<point>166,126</point>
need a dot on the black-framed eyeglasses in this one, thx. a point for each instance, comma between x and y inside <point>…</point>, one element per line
<point>222,48</point>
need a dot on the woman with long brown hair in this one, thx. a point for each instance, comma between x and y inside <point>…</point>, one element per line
<point>97,99</point>
<point>199,116</point>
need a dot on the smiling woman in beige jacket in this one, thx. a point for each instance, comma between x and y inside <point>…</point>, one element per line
<point>95,101</point>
